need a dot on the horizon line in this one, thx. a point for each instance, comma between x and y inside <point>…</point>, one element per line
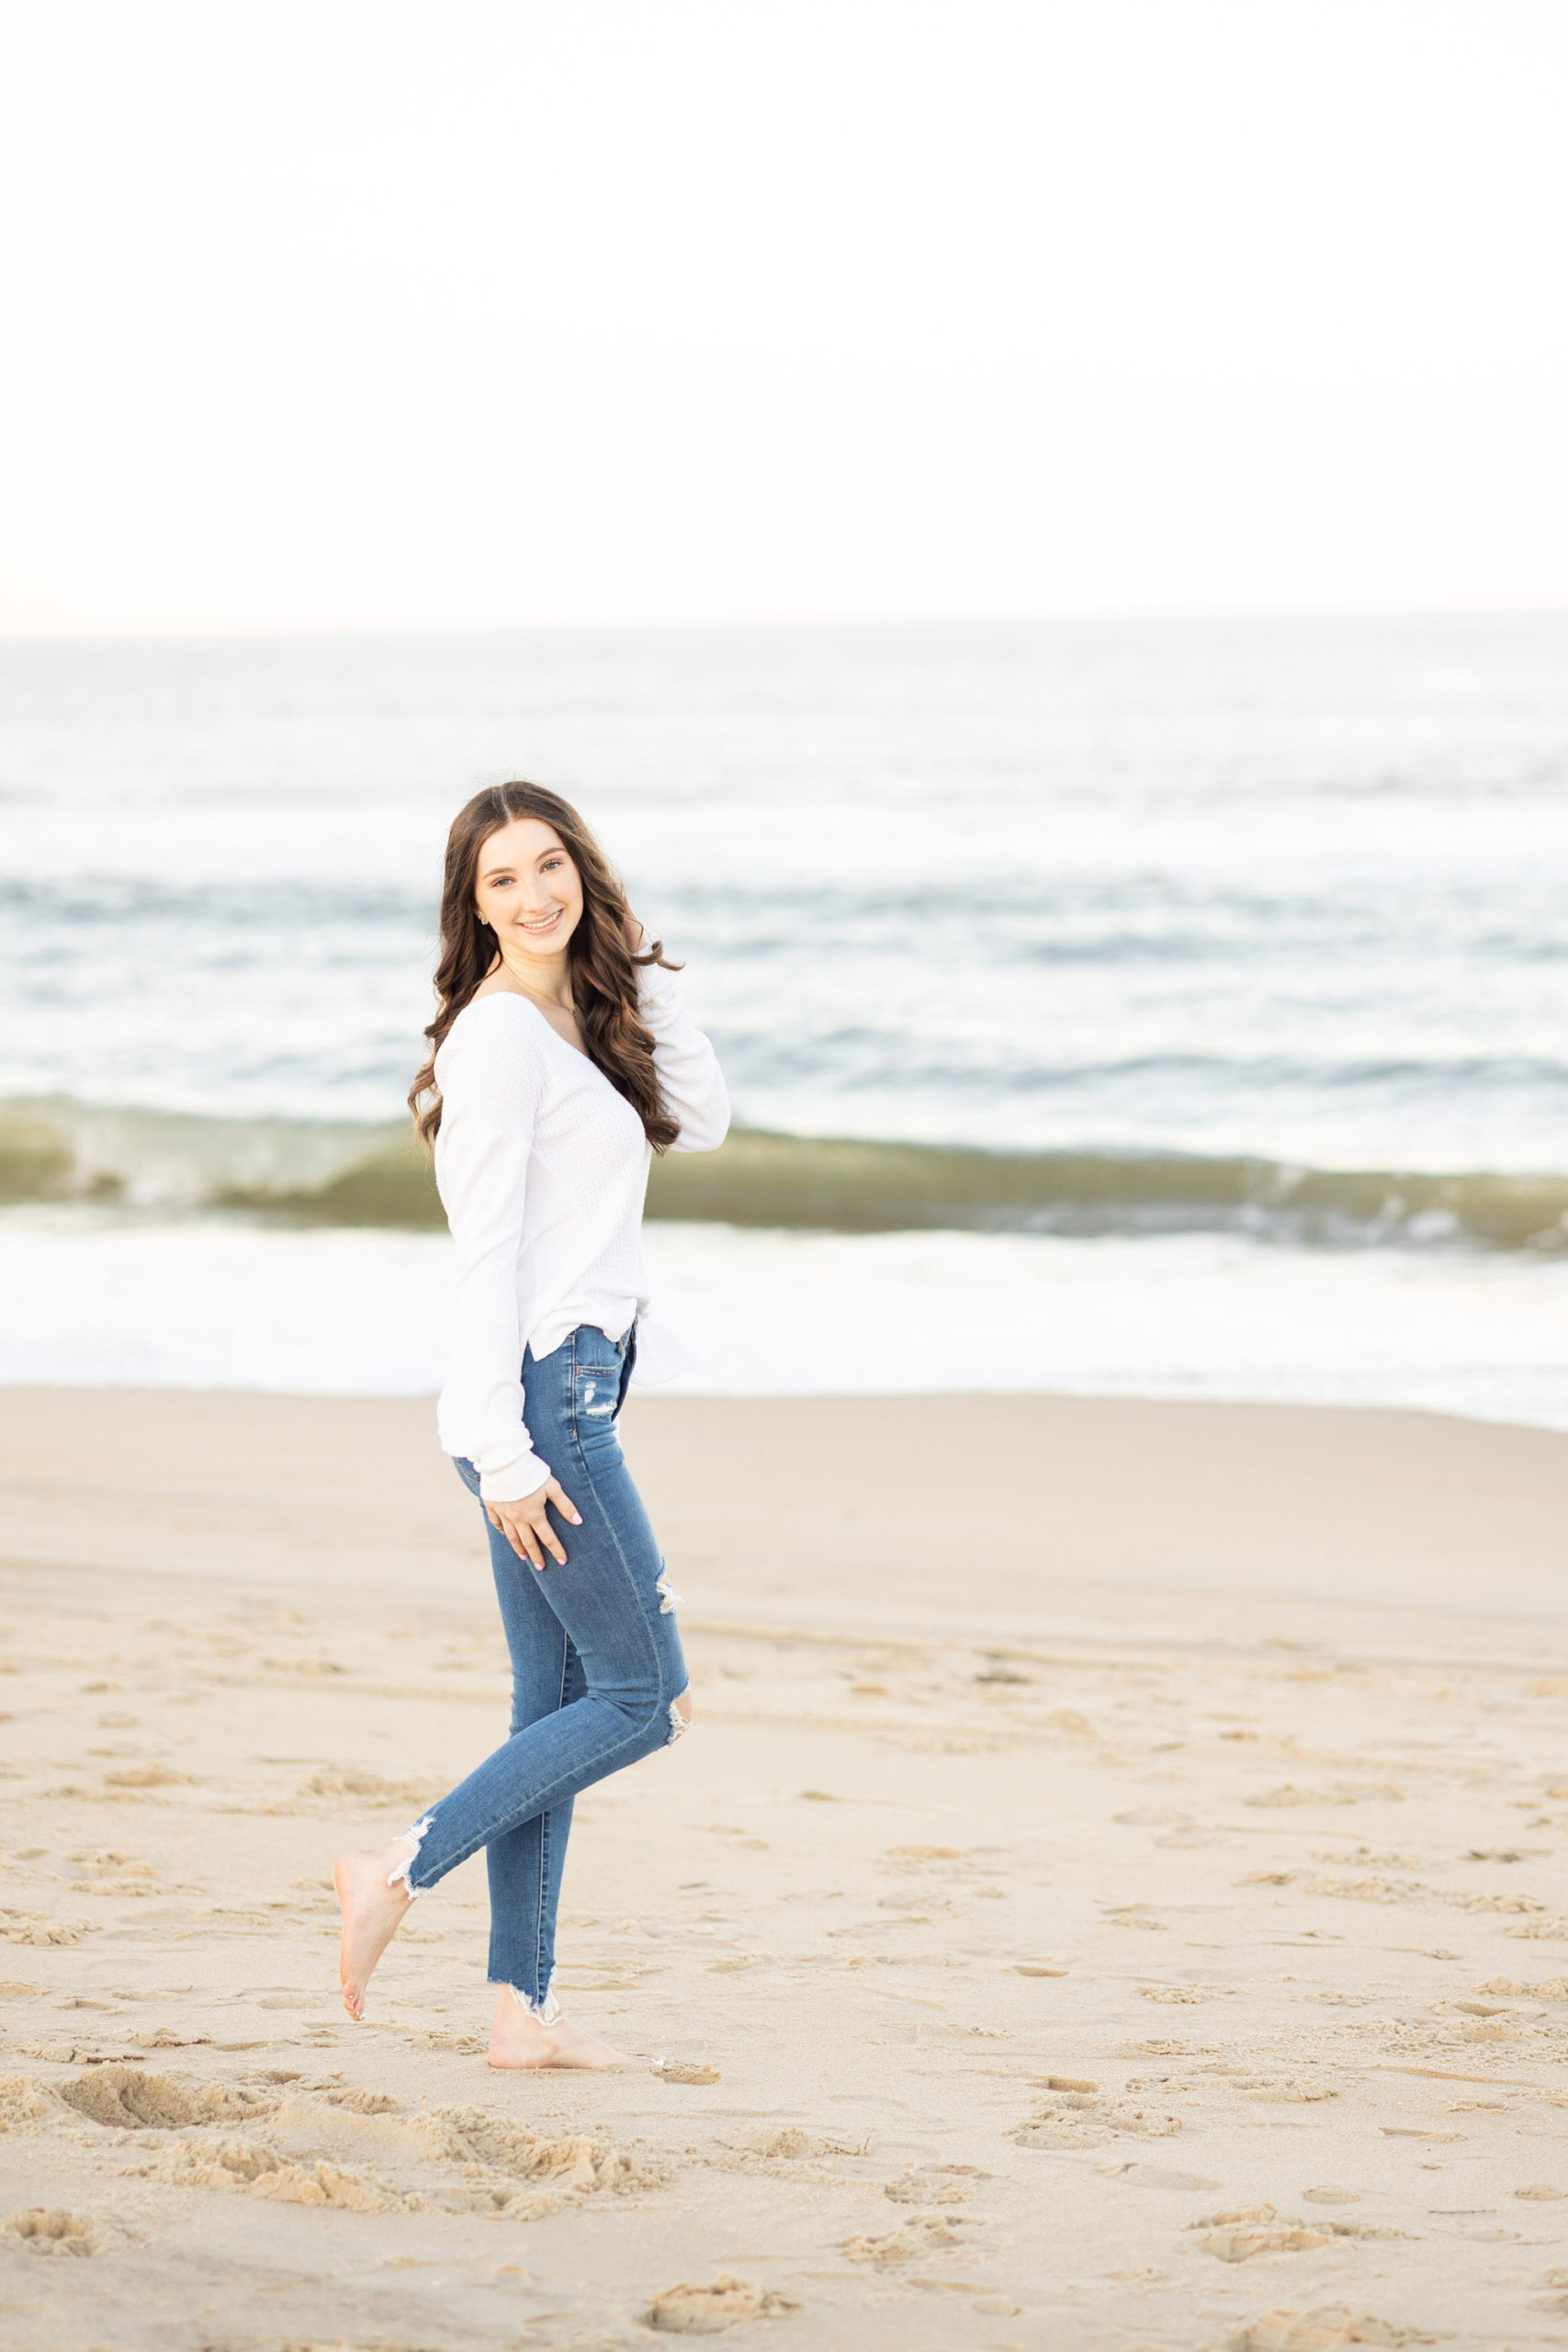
<point>780,624</point>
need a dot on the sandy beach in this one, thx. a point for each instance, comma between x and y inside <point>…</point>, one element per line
<point>1111,1895</point>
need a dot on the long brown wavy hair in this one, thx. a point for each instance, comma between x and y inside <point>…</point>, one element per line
<point>599,955</point>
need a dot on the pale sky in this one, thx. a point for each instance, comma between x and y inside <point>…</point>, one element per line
<point>331,315</point>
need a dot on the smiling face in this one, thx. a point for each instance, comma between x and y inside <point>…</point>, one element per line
<point>528,890</point>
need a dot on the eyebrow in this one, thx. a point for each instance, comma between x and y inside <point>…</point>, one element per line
<point>497,871</point>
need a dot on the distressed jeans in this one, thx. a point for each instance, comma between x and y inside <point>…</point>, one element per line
<point>596,1665</point>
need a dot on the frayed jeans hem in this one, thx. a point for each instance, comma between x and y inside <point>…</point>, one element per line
<point>546,2010</point>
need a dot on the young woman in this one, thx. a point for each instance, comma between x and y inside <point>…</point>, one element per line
<point>561,1059</point>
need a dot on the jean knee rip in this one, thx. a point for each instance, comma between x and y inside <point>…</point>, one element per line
<point>668,1600</point>
<point>680,1724</point>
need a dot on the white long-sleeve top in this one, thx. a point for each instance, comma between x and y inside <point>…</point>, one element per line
<point>542,1168</point>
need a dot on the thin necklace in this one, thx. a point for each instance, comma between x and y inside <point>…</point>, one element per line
<point>545,1003</point>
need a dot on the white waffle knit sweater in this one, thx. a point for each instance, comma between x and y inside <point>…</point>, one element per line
<point>542,1167</point>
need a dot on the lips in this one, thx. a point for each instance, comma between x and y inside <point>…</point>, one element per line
<point>537,929</point>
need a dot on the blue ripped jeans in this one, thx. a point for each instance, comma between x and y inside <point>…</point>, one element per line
<point>596,1664</point>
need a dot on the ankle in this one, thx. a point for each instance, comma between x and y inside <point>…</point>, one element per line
<point>515,2009</point>
<point>401,1855</point>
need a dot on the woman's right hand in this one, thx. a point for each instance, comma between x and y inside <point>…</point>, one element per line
<point>527,1526</point>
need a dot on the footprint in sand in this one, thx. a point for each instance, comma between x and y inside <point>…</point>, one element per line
<point>947,1860</point>
<point>356,2157</point>
<point>924,2234</point>
<point>1075,2119</point>
<point>1320,2331</point>
<point>69,2054</point>
<point>363,2102</point>
<point>676,2070</point>
<point>50,2230</point>
<point>687,2310</point>
<point>934,2185</point>
<point>241,2165</point>
<point>1250,2230</point>
<point>26,1928</point>
<point>791,2144</point>
<point>103,1871</point>
<point>23,2102</point>
<point>127,2100</point>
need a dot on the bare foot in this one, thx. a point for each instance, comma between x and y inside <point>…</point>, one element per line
<point>519,2042</point>
<point>372,1912</point>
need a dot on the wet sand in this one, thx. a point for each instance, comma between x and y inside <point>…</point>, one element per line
<point>1110,1896</point>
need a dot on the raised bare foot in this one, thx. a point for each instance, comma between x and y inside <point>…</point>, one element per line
<point>519,2042</point>
<point>371,1914</point>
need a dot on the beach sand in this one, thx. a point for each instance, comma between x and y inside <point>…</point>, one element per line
<point>1110,1896</point>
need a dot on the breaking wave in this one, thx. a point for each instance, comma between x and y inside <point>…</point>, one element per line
<point>306,1171</point>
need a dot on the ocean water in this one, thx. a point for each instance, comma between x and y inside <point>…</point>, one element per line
<point>1194,994</point>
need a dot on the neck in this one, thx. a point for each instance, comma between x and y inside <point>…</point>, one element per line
<point>548,977</point>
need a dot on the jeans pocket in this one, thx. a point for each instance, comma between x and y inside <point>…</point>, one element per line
<point>465,1471</point>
